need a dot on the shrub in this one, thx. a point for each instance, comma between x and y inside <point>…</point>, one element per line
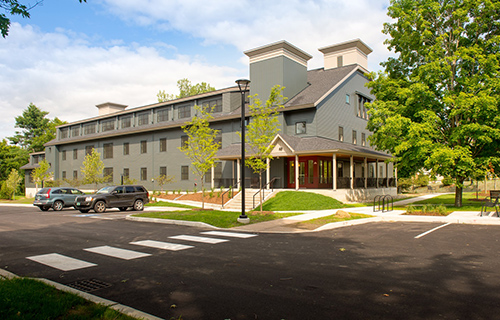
<point>422,180</point>
<point>441,210</point>
<point>405,183</point>
<point>410,209</point>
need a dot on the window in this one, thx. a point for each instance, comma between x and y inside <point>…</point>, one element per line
<point>108,125</point>
<point>75,131</point>
<point>184,172</point>
<point>126,173</point>
<point>108,151</point>
<point>363,139</point>
<point>341,134</point>
<point>184,112</point>
<point>75,174</point>
<point>126,122</point>
<point>163,144</point>
<point>354,137</point>
<point>340,61</point>
<point>144,146</point>
<point>64,133</point>
<point>143,118</point>
<point>126,149</point>
<point>213,105</point>
<point>162,115</point>
<point>75,154</point>
<point>89,128</point>
<point>64,174</point>
<point>108,174</point>
<point>300,127</point>
<point>88,149</point>
<point>184,140</point>
<point>144,174</point>
<point>64,155</point>
<point>163,171</point>
<point>340,169</point>
<point>347,99</point>
<point>362,112</point>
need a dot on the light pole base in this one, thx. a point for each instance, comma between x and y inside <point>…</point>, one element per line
<point>243,220</point>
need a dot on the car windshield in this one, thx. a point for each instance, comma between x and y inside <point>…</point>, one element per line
<point>106,190</point>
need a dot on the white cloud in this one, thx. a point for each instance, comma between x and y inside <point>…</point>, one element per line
<point>63,74</point>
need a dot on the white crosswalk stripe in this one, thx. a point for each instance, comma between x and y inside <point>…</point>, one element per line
<point>198,239</point>
<point>61,262</point>
<point>117,252</point>
<point>230,234</point>
<point>161,245</point>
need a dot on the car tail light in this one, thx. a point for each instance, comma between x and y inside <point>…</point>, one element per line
<point>48,194</point>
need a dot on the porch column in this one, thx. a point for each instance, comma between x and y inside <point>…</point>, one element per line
<point>376,172</point>
<point>268,172</point>
<point>387,175</point>
<point>212,171</point>
<point>296,172</point>
<point>351,171</point>
<point>334,169</point>
<point>238,174</point>
<point>366,173</point>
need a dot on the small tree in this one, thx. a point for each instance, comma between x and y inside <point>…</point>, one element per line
<point>10,185</point>
<point>201,146</point>
<point>163,180</point>
<point>262,129</point>
<point>93,168</point>
<point>41,174</point>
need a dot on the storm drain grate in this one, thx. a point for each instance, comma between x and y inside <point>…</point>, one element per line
<point>89,285</point>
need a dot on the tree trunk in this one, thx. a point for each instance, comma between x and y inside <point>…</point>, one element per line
<point>458,194</point>
<point>202,194</point>
<point>260,190</point>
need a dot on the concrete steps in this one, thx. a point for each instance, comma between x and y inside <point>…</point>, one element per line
<point>235,203</point>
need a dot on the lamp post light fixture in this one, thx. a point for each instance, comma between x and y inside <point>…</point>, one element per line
<point>243,86</point>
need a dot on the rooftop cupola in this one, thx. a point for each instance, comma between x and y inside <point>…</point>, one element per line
<point>110,107</point>
<point>346,53</point>
<point>277,63</point>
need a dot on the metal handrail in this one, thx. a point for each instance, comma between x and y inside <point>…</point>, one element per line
<point>229,189</point>
<point>272,188</point>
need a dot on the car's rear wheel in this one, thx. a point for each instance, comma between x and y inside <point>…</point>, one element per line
<point>84,210</point>
<point>123,208</point>
<point>99,207</point>
<point>58,206</point>
<point>44,208</point>
<point>138,205</point>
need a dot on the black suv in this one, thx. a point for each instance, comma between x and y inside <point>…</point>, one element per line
<point>121,197</point>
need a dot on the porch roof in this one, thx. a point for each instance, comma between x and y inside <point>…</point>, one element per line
<point>285,145</point>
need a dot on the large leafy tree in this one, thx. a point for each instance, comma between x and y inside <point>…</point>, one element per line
<point>438,100</point>
<point>36,129</point>
<point>262,129</point>
<point>11,157</point>
<point>15,7</point>
<point>201,146</point>
<point>93,169</point>
<point>186,89</point>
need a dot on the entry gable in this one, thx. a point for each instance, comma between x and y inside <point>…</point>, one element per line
<point>281,148</point>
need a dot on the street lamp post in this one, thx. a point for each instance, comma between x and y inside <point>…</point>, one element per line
<point>243,86</point>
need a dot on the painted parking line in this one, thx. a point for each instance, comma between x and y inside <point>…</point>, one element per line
<point>117,252</point>
<point>432,230</point>
<point>61,262</point>
<point>198,239</point>
<point>161,245</point>
<point>230,234</point>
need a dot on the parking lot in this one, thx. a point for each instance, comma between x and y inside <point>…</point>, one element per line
<point>385,270</point>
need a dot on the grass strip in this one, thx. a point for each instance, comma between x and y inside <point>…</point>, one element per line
<point>221,219</point>
<point>169,204</point>
<point>316,223</point>
<point>22,298</point>
<point>469,202</point>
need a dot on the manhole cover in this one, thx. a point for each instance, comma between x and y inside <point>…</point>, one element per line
<point>89,285</point>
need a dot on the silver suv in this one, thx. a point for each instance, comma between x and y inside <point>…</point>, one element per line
<point>56,198</point>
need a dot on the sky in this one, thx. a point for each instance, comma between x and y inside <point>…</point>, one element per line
<point>71,56</point>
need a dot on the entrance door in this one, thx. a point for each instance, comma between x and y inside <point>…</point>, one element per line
<point>308,172</point>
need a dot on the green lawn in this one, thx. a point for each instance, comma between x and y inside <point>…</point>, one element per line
<point>221,219</point>
<point>19,200</point>
<point>169,204</point>
<point>468,202</point>
<point>299,200</point>
<point>30,299</point>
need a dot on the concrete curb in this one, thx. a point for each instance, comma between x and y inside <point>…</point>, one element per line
<point>98,300</point>
<point>170,221</point>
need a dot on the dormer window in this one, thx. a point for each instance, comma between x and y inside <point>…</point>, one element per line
<point>64,133</point>
<point>300,127</point>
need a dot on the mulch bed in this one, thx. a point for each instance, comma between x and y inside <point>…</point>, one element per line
<point>194,197</point>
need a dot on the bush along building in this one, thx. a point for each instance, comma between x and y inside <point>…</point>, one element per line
<point>322,144</point>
